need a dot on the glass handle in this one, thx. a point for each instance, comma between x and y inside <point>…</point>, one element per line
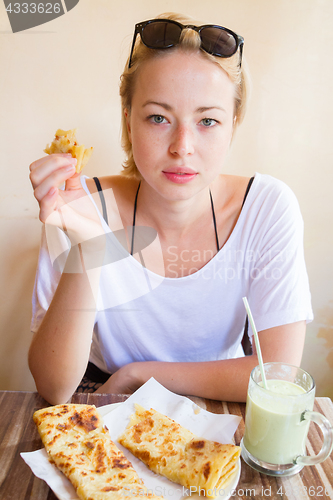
<point>327,431</point>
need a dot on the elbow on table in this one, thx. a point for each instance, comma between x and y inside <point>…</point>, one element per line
<point>54,394</point>
<point>51,388</point>
<point>53,391</point>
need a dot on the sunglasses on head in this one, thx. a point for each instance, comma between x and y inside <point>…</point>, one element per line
<point>165,33</point>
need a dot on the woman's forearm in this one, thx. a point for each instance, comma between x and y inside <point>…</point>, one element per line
<point>225,380</point>
<point>59,351</point>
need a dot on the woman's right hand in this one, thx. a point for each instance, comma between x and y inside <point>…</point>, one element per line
<point>69,208</point>
<point>46,175</point>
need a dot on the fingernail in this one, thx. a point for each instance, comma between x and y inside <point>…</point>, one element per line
<point>52,191</point>
<point>69,168</point>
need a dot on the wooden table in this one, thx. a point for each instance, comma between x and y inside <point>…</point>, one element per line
<point>19,434</point>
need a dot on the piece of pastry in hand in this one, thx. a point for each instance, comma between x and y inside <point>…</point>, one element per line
<point>80,446</point>
<point>169,449</point>
<point>65,142</point>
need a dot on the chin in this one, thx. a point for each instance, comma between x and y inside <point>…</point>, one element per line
<point>180,192</point>
<point>173,191</point>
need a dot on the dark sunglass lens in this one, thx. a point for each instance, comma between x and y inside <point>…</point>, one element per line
<point>160,35</point>
<point>218,42</point>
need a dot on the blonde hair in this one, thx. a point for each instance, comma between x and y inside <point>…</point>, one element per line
<point>189,41</point>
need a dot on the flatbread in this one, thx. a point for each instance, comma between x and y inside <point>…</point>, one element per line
<point>65,142</point>
<point>169,449</point>
<point>80,446</point>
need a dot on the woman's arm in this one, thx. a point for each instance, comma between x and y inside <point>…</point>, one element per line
<point>59,350</point>
<point>225,380</point>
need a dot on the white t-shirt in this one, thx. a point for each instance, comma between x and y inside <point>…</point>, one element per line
<point>142,316</point>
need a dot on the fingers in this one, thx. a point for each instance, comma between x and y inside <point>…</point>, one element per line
<point>39,162</point>
<point>54,157</point>
<point>44,167</point>
<point>48,204</point>
<point>54,180</point>
<point>73,182</point>
<point>46,175</point>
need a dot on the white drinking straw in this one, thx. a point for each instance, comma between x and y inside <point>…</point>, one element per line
<point>256,339</point>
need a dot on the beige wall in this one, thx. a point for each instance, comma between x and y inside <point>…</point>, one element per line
<point>66,73</point>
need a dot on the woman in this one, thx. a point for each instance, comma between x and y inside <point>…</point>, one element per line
<point>169,307</point>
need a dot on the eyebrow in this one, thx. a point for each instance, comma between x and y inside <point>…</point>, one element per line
<point>166,106</point>
<point>162,104</point>
<point>203,109</point>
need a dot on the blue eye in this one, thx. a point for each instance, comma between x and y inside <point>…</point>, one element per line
<point>157,118</point>
<point>208,122</point>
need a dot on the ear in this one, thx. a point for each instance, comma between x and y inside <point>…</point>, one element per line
<point>128,125</point>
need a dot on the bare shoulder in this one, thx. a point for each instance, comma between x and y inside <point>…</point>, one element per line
<point>122,186</point>
<point>236,182</point>
<point>231,189</point>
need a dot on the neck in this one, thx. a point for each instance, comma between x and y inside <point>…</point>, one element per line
<point>174,217</point>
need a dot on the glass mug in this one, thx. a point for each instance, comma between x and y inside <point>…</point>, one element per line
<point>277,421</point>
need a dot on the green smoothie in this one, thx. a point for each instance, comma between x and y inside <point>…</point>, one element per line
<point>275,432</point>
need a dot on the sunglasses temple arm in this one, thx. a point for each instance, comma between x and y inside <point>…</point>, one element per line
<point>132,49</point>
<point>241,54</point>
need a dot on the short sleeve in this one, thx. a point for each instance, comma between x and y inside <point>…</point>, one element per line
<point>279,290</point>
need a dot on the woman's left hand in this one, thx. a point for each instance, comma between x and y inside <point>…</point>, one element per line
<point>123,381</point>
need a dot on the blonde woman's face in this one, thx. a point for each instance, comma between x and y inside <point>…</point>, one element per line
<point>181,122</point>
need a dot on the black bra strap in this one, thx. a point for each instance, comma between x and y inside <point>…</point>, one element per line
<point>248,189</point>
<point>214,220</point>
<point>101,195</point>
<point>246,343</point>
<point>213,212</point>
<point>134,216</point>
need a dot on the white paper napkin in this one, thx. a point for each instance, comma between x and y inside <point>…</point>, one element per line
<point>151,395</point>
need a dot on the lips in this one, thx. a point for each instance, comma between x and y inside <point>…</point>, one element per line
<point>180,170</point>
<point>180,175</point>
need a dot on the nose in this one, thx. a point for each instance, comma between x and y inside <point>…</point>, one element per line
<point>182,143</point>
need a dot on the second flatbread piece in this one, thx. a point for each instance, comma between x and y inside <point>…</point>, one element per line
<point>169,449</point>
